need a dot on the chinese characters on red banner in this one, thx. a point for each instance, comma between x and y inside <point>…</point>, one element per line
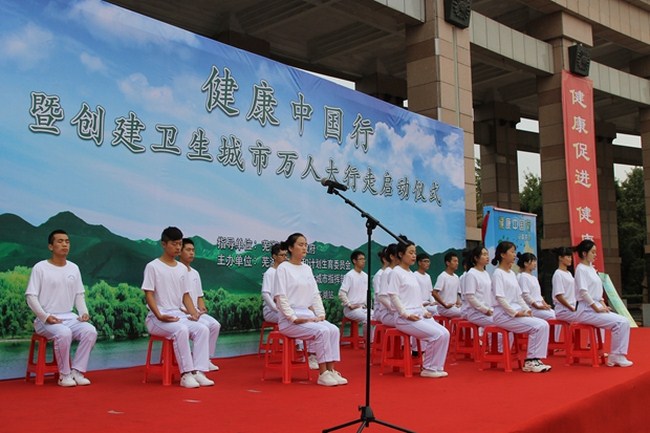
<point>580,151</point>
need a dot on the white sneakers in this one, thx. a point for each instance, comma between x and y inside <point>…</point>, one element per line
<point>313,362</point>
<point>79,378</point>
<point>331,378</point>
<point>535,366</point>
<point>212,367</point>
<point>618,360</point>
<point>66,380</point>
<point>73,379</point>
<point>195,380</point>
<point>434,374</point>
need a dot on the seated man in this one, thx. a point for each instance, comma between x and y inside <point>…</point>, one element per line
<point>54,287</point>
<point>166,293</point>
<point>353,291</point>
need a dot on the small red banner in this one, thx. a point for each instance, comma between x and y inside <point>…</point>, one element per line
<point>580,151</point>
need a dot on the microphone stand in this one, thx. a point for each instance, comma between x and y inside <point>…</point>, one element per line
<point>367,415</point>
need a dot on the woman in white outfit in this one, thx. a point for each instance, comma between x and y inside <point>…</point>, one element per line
<point>302,313</point>
<point>564,292</point>
<point>592,308</point>
<point>476,289</point>
<point>388,314</point>
<point>511,311</point>
<point>413,319</point>
<point>530,288</point>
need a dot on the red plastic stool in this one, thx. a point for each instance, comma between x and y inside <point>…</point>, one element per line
<point>444,321</point>
<point>40,366</point>
<point>377,341</point>
<point>353,338</point>
<point>265,325</point>
<point>281,353</point>
<point>490,348</point>
<point>396,352</point>
<point>587,343</point>
<point>167,364</point>
<point>563,341</point>
<point>465,339</point>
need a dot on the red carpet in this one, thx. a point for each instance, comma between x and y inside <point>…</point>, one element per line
<point>567,399</point>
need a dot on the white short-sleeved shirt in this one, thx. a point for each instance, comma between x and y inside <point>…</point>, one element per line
<point>297,283</point>
<point>449,286</point>
<point>479,284</point>
<point>376,283</point>
<point>505,285</point>
<point>55,286</point>
<point>195,288</point>
<point>529,284</point>
<point>564,284</point>
<point>385,280</point>
<point>167,282</point>
<point>267,281</point>
<point>405,285</point>
<point>587,279</point>
<point>355,286</point>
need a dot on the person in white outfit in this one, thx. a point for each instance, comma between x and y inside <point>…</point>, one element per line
<point>302,313</point>
<point>446,291</point>
<point>388,313</point>
<point>530,288</point>
<point>564,292</point>
<point>424,280</point>
<point>376,284</point>
<point>354,290</point>
<point>592,308</point>
<point>477,289</point>
<point>172,313</point>
<point>54,288</point>
<point>196,293</point>
<point>511,311</point>
<point>413,319</point>
<point>270,310</point>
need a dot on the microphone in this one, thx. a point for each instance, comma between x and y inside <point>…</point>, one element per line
<point>333,184</point>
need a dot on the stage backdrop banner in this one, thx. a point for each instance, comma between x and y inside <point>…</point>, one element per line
<point>115,126</point>
<point>580,152</point>
<point>507,225</point>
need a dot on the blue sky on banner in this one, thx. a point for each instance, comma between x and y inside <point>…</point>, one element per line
<point>136,69</point>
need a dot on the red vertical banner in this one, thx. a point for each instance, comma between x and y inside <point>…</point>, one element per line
<point>580,151</point>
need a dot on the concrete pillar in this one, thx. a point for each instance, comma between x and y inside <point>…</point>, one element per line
<point>439,85</point>
<point>605,135</point>
<point>499,170</point>
<point>641,67</point>
<point>561,30</point>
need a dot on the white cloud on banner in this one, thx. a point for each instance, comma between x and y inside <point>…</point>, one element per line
<point>27,47</point>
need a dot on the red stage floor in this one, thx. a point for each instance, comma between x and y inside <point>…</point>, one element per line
<point>567,399</point>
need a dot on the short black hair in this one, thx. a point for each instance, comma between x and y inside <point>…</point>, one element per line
<point>355,255</point>
<point>171,234</point>
<point>50,238</point>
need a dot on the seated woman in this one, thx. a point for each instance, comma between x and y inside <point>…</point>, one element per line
<point>413,319</point>
<point>592,308</point>
<point>476,288</point>
<point>530,288</point>
<point>302,313</point>
<point>511,311</point>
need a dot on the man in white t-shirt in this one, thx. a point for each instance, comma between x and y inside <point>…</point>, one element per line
<point>166,293</point>
<point>446,291</point>
<point>270,310</point>
<point>54,288</point>
<point>354,290</point>
<point>424,281</point>
<point>196,293</point>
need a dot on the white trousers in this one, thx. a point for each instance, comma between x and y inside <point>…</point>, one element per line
<point>62,334</point>
<point>214,327</point>
<point>433,337</point>
<point>181,332</point>
<point>618,324</point>
<point>449,312</point>
<point>271,315</point>
<point>326,336</point>
<point>537,330</point>
<point>388,318</point>
<point>476,317</point>
<point>359,315</point>
<point>543,314</point>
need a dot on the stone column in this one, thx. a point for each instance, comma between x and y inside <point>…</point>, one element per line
<point>439,85</point>
<point>641,67</point>
<point>561,30</point>
<point>499,170</point>
<point>605,135</point>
